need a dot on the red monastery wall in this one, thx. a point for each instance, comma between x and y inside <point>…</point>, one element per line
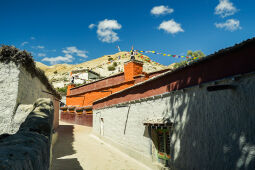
<point>115,80</point>
<point>234,61</point>
<point>85,95</point>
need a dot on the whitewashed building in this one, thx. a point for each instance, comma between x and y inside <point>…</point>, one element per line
<point>197,117</point>
<point>84,76</point>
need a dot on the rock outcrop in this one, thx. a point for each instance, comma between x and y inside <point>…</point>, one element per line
<point>59,74</point>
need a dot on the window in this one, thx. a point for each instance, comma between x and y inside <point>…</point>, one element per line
<point>160,132</point>
<point>163,143</point>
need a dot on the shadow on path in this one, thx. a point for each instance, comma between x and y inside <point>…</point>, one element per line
<point>64,148</point>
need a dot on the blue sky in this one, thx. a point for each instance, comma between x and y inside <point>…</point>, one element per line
<point>57,31</point>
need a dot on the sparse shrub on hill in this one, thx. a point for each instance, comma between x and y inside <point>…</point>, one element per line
<point>111,68</point>
<point>62,91</point>
<point>79,84</point>
<point>115,64</point>
<point>110,59</point>
<point>55,72</point>
<point>66,79</point>
<point>53,80</point>
<point>199,54</point>
<point>182,63</point>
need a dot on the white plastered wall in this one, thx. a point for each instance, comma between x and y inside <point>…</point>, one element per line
<point>17,89</point>
<point>212,130</point>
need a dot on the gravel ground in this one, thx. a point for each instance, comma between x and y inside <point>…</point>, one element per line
<point>76,149</point>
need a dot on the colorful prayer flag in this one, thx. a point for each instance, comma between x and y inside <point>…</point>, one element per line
<point>170,55</point>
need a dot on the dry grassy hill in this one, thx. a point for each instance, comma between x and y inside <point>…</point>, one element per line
<point>59,74</point>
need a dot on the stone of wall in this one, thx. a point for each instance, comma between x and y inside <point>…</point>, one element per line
<point>30,88</point>
<point>18,87</point>
<point>212,130</point>
<point>9,81</point>
<point>29,148</point>
<point>56,113</point>
<point>84,119</point>
<point>79,119</point>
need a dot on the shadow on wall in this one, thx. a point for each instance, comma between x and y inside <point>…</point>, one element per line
<point>214,130</point>
<point>29,148</point>
<point>64,148</point>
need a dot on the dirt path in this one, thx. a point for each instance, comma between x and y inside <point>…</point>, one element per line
<point>77,149</point>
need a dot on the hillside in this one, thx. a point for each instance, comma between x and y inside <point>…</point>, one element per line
<point>59,74</point>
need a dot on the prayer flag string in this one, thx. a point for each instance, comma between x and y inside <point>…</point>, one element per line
<point>164,54</point>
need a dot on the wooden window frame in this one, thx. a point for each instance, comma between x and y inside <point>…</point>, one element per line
<point>165,152</point>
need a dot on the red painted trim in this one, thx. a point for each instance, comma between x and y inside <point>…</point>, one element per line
<point>99,89</point>
<point>225,63</point>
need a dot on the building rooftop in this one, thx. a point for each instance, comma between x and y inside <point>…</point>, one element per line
<point>85,70</point>
<point>228,50</point>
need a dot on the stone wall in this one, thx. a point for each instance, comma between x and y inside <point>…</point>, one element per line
<point>212,130</point>
<point>17,87</point>
<point>29,148</point>
<point>79,119</point>
<point>9,81</point>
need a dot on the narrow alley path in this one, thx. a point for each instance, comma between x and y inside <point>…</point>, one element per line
<point>77,149</point>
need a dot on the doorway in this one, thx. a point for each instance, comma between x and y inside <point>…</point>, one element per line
<point>102,126</point>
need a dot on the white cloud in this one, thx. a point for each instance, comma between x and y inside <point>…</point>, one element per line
<point>91,26</point>
<point>68,57</point>
<point>41,54</point>
<point>55,60</point>
<point>171,27</point>
<point>38,47</point>
<point>24,43</point>
<point>160,10</point>
<point>225,8</point>
<point>105,30</point>
<point>230,25</point>
<point>74,50</point>
<point>32,38</point>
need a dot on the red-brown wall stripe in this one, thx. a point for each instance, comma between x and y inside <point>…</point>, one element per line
<point>221,65</point>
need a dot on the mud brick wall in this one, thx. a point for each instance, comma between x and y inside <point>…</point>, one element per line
<point>30,147</point>
<point>18,87</point>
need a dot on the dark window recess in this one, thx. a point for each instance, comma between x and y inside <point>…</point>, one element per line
<point>161,142</point>
<point>220,87</point>
<point>168,143</point>
<point>164,137</point>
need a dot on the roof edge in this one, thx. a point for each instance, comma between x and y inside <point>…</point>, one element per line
<point>98,80</point>
<point>208,57</point>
